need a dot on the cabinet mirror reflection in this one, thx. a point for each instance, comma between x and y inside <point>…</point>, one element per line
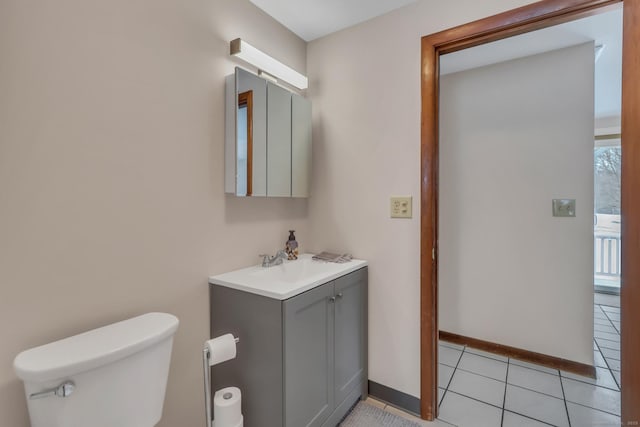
<point>268,139</point>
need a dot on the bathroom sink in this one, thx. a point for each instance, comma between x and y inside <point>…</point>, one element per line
<point>292,271</point>
<point>287,279</point>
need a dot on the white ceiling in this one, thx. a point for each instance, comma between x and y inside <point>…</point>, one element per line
<point>311,19</point>
<point>604,28</point>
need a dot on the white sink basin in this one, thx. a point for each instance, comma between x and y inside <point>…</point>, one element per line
<point>286,280</point>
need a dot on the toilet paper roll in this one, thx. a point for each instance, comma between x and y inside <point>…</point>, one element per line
<point>227,404</point>
<point>221,349</point>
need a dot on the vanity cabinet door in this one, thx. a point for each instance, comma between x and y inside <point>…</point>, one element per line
<point>308,354</point>
<point>350,333</point>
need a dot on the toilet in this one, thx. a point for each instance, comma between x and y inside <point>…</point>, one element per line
<point>107,377</point>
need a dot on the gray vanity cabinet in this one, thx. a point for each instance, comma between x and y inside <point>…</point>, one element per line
<point>302,361</point>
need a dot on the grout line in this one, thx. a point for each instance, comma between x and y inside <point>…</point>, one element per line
<point>595,322</point>
<point>606,313</point>
<point>607,339</point>
<point>596,325</point>
<point>564,399</point>
<point>450,345</point>
<point>604,345</point>
<point>597,336</point>
<point>615,327</point>
<point>595,385</point>
<point>608,305</point>
<point>611,320</point>
<point>528,417</point>
<point>536,391</point>
<point>606,362</point>
<point>476,399</point>
<point>504,398</point>
<point>446,389</point>
<point>595,409</point>
<point>481,375</point>
<point>442,363</point>
<point>532,368</point>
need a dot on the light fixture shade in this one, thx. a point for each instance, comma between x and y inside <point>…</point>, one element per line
<point>264,62</point>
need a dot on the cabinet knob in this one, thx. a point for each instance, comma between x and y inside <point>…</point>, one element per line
<point>332,299</point>
<point>339,295</point>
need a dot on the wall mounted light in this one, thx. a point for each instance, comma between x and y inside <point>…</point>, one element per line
<point>267,64</point>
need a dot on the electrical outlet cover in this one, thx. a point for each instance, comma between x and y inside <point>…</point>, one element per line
<point>401,206</point>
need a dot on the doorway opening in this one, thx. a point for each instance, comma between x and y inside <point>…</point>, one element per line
<point>607,166</point>
<point>518,21</point>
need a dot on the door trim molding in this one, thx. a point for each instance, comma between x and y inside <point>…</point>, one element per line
<point>531,17</point>
<point>521,354</point>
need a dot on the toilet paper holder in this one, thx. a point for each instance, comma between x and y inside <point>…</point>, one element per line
<point>206,365</point>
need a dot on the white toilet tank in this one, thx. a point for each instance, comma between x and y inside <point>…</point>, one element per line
<point>118,375</point>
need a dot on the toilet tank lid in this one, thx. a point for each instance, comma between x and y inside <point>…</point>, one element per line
<point>94,348</point>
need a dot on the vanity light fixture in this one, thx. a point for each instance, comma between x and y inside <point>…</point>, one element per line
<point>267,64</point>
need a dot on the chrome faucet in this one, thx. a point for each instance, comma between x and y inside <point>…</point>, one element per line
<point>270,261</point>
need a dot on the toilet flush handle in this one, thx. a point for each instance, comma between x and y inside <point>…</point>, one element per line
<point>63,390</point>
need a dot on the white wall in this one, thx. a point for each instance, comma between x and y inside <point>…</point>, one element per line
<point>111,174</point>
<point>365,88</point>
<point>514,136</point>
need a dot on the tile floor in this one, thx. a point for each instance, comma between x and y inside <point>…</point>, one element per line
<point>482,389</point>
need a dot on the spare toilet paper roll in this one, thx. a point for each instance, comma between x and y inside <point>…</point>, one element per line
<point>226,408</point>
<point>221,349</point>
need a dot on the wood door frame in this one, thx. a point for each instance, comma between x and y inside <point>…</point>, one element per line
<point>531,17</point>
<point>245,99</point>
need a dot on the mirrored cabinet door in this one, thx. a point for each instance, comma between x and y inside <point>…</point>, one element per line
<point>279,137</point>
<point>252,135</point>
<point>300,146</point>
<point>267,139</point>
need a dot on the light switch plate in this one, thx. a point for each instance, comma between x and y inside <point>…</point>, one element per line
<point>401,206</point>
<point>564,207</point>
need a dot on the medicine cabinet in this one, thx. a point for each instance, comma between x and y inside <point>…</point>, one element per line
<point>267,138</point>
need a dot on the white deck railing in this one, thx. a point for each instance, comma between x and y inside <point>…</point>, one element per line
<point>607,254</point>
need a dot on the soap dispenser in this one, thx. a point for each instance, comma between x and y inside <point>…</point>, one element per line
<point>291,247</point>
